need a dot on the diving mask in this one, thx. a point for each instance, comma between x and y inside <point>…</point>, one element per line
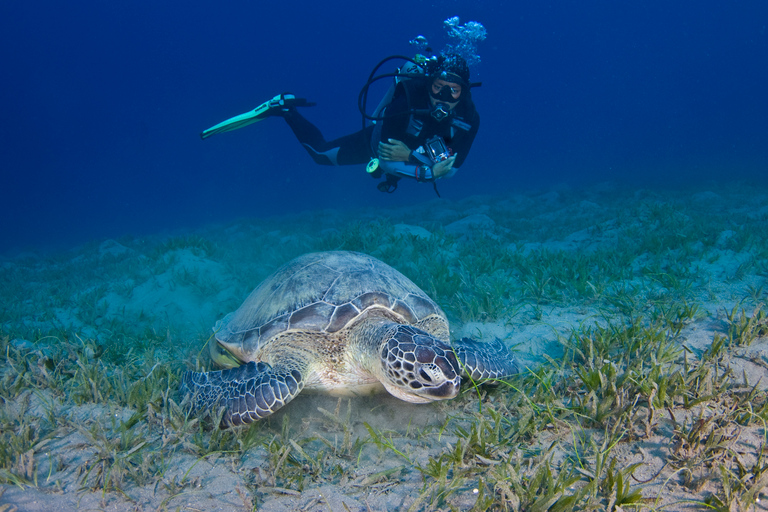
<point>445,92</point>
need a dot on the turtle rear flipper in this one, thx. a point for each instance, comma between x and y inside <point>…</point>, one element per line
<point>484,361</point>
<point>247,393</point>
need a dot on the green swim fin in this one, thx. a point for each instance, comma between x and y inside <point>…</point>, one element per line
<point>277,105</point>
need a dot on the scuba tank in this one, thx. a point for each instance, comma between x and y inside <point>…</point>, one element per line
<point>416,68</point>
<point>413,68</point>
<point>409,71</point>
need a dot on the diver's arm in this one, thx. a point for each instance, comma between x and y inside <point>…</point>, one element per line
<point>420,172</point>
<point>462,144</point>
<point>406,170</point>
<point>394,151</point>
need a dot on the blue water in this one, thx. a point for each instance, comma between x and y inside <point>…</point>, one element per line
<point>102,103</point>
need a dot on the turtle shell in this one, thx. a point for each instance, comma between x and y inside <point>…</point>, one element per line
<point>323,292</point>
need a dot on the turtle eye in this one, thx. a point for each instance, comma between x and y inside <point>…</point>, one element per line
<point>433,374</point>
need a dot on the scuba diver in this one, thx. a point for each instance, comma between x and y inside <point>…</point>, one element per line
<point>423,129</point>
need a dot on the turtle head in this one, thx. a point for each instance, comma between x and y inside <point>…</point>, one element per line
<point>418,367</point>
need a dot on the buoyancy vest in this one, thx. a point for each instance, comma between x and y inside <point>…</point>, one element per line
<point>411,98</point>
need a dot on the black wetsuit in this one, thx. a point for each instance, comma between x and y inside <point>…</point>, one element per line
<point>414,129</point>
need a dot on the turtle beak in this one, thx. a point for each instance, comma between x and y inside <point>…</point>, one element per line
<point>451,369</point>
<point>446,391</point>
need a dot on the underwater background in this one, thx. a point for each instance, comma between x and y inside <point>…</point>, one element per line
<point>103,103</point>
<point>610,227</point>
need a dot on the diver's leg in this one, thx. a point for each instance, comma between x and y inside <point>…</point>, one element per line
<point>347,150</point>
<point>354,148</point>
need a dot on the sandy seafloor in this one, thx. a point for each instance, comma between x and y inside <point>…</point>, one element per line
<point>95,339</point>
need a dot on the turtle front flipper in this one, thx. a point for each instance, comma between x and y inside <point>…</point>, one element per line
<point>247,393</point>
<point>484,361</point>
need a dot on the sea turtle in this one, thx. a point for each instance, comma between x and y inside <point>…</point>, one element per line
<point>339,322</point>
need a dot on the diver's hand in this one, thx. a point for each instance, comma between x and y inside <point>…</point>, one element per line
<point>395,151</point>
<point>440,169</point>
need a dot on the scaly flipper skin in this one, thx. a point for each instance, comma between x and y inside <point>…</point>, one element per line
<point>484,361</point>
<point>247,393</point>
